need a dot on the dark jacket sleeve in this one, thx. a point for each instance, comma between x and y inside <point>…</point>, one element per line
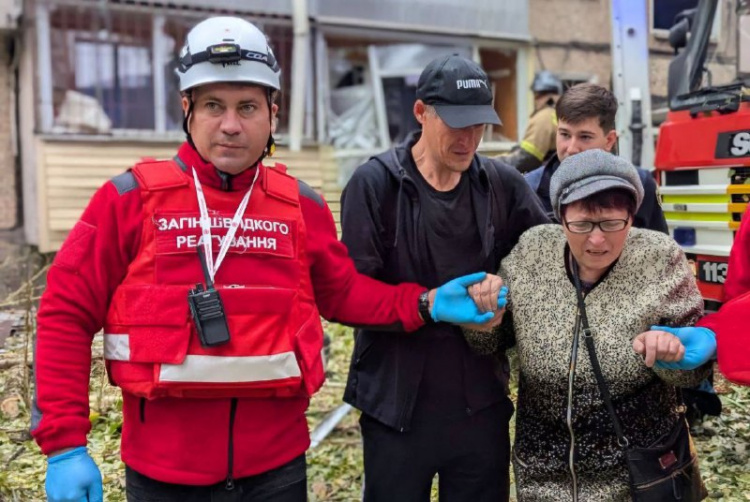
<point>362,227</point>
<point>534,178</point>
<point>650,215</point>
<point>521,160</point>
<point>523,206</point>
<point>344,295</point>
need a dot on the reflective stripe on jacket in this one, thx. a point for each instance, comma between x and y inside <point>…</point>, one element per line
<point>151,344</point>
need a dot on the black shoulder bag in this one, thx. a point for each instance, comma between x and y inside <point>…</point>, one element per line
<point>666,470</point>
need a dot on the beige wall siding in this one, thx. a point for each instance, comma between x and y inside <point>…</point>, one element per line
<point>71,171</point>
<point>568,60</point>
<point>8,178</point>
<point>563,21</point>
<point>573,38</point>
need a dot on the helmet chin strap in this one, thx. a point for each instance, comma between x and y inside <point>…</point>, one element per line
<point>186,120</point>
<point>267,151</point>
<point>270,148</point>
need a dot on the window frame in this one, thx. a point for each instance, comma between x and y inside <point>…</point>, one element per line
<point>44,104</point>
<point>375,36</point>
<point>663,34</point>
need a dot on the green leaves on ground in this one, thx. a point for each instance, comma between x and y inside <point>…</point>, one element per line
<point>335,466</point>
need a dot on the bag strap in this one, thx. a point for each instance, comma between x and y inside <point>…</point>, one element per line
<point>497,188</point>
<point>498,205</point>
<point>588,337</point>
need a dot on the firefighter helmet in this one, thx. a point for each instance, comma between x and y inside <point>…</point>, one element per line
<point>546,81</point>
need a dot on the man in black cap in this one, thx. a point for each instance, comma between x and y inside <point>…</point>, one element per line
<point>428,210</point>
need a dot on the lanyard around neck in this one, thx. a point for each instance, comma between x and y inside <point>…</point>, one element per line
<point>205,222</point>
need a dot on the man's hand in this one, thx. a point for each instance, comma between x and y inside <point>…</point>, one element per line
<point>451,301</point>
<point>699,343</point>
<point>73,476</point>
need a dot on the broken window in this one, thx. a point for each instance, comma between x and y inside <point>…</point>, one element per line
<point>101,70</point>
<point>665,12</point>
<point>103,61</point>
<point>280,38</point>
<point>373,89</point>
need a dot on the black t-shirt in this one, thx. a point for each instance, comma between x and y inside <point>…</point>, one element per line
<point>454,248</point>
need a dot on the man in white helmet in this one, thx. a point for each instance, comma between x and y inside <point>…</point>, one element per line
<point>208,273</point>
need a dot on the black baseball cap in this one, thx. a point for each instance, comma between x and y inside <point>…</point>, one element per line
<point>459,90</point>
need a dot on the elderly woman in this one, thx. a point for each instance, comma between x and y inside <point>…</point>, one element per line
<point>630,279</point>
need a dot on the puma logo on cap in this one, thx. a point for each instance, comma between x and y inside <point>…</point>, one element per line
<point>472,83</point>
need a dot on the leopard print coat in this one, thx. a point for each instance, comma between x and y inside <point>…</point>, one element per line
<point>651,283</point>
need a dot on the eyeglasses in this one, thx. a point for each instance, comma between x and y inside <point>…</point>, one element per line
<point>585,227</point>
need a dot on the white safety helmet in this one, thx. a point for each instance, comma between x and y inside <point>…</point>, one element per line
<point>227,49</point>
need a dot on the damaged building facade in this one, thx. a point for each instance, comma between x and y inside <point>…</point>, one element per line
<point>88,86</point>
<point>97,88</point>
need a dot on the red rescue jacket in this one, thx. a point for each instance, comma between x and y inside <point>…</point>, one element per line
<point>151,342</point>
<point>197,440</point>
<point>732,323</point>
<point>732,327</point>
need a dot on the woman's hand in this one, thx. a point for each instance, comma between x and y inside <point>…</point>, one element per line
<point>490,296</point>
<point>489,326</point>
<point>699,343</point>
<point>656,345</point>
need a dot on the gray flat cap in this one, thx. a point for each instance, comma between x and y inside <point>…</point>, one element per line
<point>593,171</point>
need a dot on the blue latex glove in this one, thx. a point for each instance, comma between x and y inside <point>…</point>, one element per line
<point>699,343</point>
<point>73,477</point>
<point>502,299</point>
<point>454,305</point>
